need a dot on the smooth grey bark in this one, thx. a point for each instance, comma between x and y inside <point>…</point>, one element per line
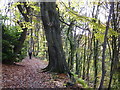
<point>50,19</point>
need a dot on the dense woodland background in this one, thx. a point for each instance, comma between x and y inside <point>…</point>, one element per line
<point>78,38</point>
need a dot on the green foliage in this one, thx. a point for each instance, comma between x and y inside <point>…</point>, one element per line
<point>35,8</point>
<point>10,36</point>
<point>3,17</point>
<point>15,4</point>
<point>29,4</point>
<point>99,36</point>
<point>113,33</point>
<point>17,14</point>
<point>80,80</point>
<point>116,82</point>
<point>78,17</point>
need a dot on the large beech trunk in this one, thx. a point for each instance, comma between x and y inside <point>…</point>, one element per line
<point>50,19</point>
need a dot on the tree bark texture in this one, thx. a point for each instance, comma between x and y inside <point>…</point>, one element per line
<point>50,19</point>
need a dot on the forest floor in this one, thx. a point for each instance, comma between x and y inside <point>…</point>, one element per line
<point>28,74</point>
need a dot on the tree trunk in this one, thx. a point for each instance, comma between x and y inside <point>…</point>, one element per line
<point>115,46</point>
<point>50,19</point>
<point>77,57</point>
<point>104,47</point>
<point>22,38</point>
<point>90,36</point>
<point>95,43</point>
<point>95,61</point>
<point>84,60</point>
<point>72,46</point>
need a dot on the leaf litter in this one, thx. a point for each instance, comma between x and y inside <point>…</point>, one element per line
<point>28,74</point>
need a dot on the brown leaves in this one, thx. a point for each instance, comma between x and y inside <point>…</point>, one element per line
<point>28,74</point>
<point>25,75</point>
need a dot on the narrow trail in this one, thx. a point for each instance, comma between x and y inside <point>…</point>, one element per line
<point>28,74</point>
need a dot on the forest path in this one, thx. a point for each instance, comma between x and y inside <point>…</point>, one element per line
<point>28,74</point>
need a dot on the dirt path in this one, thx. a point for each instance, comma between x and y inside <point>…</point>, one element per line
<point>27,75</point>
